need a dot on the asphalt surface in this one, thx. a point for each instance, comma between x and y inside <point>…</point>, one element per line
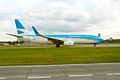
<point>108,71</point>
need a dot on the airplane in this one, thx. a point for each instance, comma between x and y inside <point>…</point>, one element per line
<point>70,39</point>
<point>58,39</point>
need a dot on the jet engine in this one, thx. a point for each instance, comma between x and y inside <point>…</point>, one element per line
<point>69,43</point>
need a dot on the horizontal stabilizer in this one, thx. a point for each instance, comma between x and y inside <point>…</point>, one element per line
<point>18,36</point>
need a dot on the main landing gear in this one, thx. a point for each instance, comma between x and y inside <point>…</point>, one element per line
<point>58,45</point>
<point>95,44</point>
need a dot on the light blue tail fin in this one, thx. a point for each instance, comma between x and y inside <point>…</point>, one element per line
<point>19,26</point>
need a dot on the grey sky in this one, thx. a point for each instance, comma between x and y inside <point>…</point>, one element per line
<point>62,16</point>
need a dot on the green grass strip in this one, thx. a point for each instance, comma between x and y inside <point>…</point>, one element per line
<point>64,55</point>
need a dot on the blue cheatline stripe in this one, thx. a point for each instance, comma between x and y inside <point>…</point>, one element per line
<point>91,37</point>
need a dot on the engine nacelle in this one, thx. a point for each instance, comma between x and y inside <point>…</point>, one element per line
<point>69,43</point>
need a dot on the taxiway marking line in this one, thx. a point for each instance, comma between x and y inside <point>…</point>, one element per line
<point>113,74</point>
<point>86,75</point>
<point>1,78</point>
<point>39,77</point>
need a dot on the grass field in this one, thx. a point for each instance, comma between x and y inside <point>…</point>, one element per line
<point>63,55</point>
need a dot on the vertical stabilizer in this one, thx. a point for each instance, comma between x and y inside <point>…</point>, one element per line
<point>19,26</point>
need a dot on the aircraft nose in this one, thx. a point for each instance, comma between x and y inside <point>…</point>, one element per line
<point>102,40</point>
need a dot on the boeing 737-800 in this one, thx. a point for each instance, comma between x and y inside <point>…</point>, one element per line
<point>58,39</point>
<point>69,39</point>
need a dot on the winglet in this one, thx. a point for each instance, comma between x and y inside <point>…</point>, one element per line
<point>35,31</point>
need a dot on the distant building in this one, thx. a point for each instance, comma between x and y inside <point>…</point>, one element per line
<point>110,38</point>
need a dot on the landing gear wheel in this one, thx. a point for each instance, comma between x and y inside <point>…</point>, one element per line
<point>57,45</point>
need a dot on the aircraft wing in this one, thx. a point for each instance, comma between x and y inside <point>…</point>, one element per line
<point>18,36</point>
<point>50,39</point>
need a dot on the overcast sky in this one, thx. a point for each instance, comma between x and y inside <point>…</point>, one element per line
<point>62,16</point>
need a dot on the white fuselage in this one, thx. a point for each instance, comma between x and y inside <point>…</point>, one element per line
<point>38,39</point>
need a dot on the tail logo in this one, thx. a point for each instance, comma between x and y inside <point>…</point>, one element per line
<point>20,32</point>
